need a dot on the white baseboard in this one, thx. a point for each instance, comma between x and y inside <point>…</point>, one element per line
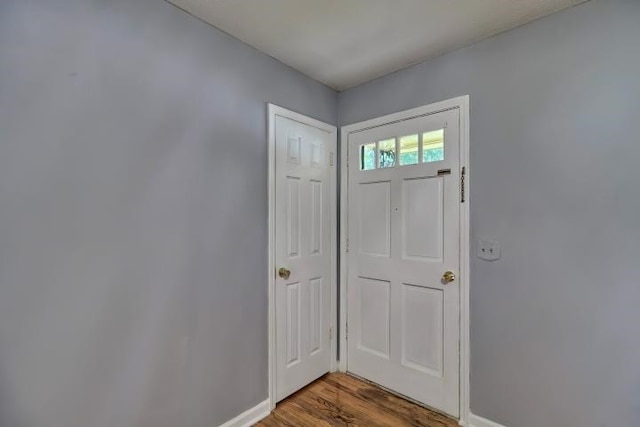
<point>476,421</point>
<point>251,416</point>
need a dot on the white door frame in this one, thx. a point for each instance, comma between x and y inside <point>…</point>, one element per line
<point>273,112</point>
<point>462,104</point>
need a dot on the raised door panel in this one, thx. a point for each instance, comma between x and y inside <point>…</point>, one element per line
<point>423,218</point>
<point>315,315</point>
<point>374,218</point>
<point>317,154</point>
<point>293,324</point>
<point>317,217</point>
<point>293,217</point>
<point>422,329</point>
<point>374,308</point>
<point>294,149</point>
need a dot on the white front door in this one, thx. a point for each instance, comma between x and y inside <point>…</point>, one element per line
<point>403,227</point>
<point>303,229</point>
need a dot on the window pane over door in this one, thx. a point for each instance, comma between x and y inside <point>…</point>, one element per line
<point>387,153</point>
<point>409,149</point>
<point>368,156</point>
<point>433,146</point>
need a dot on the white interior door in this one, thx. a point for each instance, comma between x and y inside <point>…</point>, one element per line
<point>403,227</point>
<point>303,253</point>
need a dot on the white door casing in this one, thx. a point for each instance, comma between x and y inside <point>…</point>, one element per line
<point>303,208</point>
<point>402,231</point>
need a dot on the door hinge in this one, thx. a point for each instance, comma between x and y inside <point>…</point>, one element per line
<point>347,248</point>
<point>346,331</point>
<point>330,333</point>
<point>463,175</point>
<point>330,159</point>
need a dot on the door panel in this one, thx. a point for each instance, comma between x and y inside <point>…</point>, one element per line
<point>375,307</point>
<point>293,323</point>
<point>422,340</point>
<point>315,315</point>
<point>302,242</point>
<point>375,218</point>
<point>403,215</point>
<point>316,217</point>
<point>422,222</point>
<point>293,217</point>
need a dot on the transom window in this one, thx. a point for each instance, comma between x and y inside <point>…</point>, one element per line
<point>406,150</point>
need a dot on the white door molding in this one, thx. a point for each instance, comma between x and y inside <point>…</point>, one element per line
<point>463,105</point>
<point>273,112</point>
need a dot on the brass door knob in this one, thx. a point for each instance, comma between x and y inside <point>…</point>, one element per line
<point>284,273</point>
<point>448,277</point>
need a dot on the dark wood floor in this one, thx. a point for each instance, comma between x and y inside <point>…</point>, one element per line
<point>342,400</point>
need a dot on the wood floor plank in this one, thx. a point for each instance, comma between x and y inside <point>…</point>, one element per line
<point>342,400</point>
<point>362,408</point>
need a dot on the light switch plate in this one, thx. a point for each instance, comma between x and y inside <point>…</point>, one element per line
<point>488,250</point>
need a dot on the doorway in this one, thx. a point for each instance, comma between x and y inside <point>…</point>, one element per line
<point>405,240</point>
<point>302,251</point>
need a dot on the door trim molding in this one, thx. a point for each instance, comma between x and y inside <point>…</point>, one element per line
<point>463,105</point>
<point>274,111</point>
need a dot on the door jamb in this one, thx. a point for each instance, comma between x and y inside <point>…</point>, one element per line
<point>272,112</point>
<point>463,105</point>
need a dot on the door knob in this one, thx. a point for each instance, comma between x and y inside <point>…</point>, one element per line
<point>448,277</point>
<point>284,273</point>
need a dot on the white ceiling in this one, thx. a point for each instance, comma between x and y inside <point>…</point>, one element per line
<point>343,43</point>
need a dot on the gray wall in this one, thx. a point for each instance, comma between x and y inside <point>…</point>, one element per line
<point>133,214</point>
<point>555,146</point>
